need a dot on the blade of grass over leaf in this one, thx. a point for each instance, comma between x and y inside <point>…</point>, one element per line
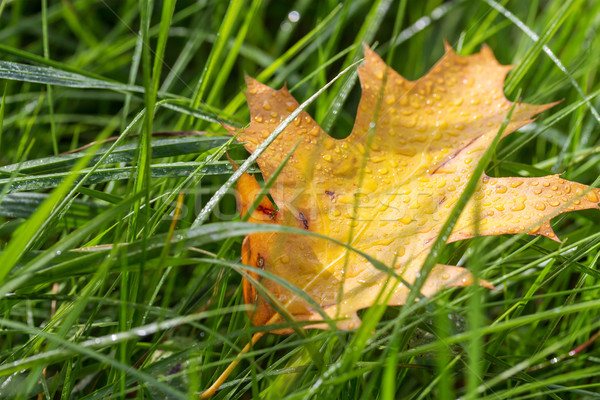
<point>433,256</point>
<point>204,213</point>
<point>440,241</point>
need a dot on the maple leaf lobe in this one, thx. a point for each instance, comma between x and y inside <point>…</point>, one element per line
<point>429,135</point>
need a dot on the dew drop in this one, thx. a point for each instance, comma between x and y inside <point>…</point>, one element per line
<point>515,184</point>
<point>519,206</point>
<point>408,122</point>
<point>294,16</point>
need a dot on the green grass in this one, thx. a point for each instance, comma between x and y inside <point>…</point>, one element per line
<point>152,308</point>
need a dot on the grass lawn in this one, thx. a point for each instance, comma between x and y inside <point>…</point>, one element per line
<point>120,242</point>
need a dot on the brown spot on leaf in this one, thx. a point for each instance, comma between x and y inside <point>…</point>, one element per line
<point>260,262</point>
<point>303,219</point>
<point>271,213</point>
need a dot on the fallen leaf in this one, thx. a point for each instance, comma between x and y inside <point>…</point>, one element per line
<point>427,138</point>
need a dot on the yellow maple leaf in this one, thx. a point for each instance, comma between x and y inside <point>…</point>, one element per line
<point>416,144</point>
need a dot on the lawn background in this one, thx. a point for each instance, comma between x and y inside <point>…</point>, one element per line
<point>161,315</point>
